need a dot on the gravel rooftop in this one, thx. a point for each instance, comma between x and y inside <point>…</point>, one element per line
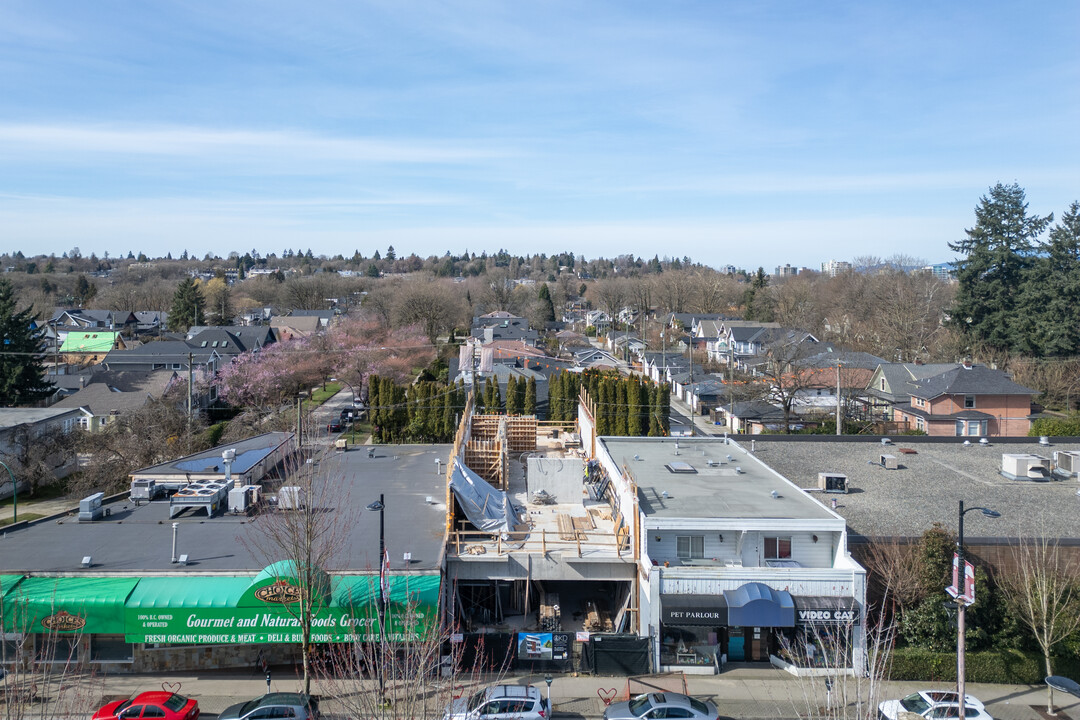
<point>929,484</point>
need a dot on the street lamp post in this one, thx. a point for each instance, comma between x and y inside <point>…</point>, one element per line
<point>961,606</point>
<point>384,581</point>
<point>14,495</point>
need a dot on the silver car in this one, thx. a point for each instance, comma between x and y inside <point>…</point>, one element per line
<point>274,706</point>
<point>500,702</point>
<point>662,705</point>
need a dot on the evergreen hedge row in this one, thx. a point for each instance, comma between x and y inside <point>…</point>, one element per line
<point>1012,667</point>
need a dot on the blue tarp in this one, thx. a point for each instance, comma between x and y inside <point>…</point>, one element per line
<point>488,509</point>
<point>758,605</point>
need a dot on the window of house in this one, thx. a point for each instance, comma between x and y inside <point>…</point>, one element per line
<point>969,402</point>
<point>777,548</point>
<point>688,547</point>
<point>176,366</point>
<point>920,424</point>
<point>882,383</point>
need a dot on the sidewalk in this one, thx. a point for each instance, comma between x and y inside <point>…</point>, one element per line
<point>738,693</point>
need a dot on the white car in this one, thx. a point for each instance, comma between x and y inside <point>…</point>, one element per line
<point>934,705</point>
<point>501,702</point>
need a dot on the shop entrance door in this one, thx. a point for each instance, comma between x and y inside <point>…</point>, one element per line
<point>736,647</point>
<point>759,646</point>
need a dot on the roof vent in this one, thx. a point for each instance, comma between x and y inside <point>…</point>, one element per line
<point>738,471</point>
<point>664,494</point>
<point>774,495</point>
<point>967,443</point>
<point>1044,440</point>
<point>886,441</point>
<point>87,561</point>
<point>984,441</point>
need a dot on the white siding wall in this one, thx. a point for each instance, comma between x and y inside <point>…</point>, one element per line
<point>804,550</point>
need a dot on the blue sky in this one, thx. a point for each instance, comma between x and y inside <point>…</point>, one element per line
<point>750,133</point>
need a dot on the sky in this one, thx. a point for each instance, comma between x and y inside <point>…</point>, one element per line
<point>743,133</point>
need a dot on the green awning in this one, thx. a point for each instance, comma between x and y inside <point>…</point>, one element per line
<point>7,582</point>
<point>67,605</point>
<point>178,592</point>
<point>363,590</point>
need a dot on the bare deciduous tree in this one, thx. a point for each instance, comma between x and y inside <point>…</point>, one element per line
<point>302,540</point>
<point>1043,589</point>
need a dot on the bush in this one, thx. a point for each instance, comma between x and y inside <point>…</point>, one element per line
<point>1056,426</point>
<point>1011,667</point>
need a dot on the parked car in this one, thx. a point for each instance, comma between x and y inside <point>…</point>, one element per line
<point>662,705</point>
<point>153,704</point>
<point>934,705</point>
<point>274,706</point>
<point>335,426</point>
<point>501,702</point>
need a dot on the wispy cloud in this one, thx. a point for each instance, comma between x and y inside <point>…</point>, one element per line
<point>18,139</point>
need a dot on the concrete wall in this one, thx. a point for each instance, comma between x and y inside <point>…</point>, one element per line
<point>561,477</point>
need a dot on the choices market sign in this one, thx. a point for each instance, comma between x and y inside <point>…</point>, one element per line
<point>250,625</point>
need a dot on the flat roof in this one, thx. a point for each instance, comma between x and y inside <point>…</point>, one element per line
<point>724,481</point>
<point>138,540</point>
<point>930,483</point>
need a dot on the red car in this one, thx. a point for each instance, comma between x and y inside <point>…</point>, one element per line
<point>154,704</point>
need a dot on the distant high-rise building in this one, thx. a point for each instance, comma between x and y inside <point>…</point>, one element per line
<point>786,271</point>
<point>728,269</point>
<point>942,271</point>
<point>835,267</point>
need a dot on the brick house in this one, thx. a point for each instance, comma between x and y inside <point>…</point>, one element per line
<point>967,400</point>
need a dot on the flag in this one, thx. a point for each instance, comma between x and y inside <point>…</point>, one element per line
<point>384,577</point>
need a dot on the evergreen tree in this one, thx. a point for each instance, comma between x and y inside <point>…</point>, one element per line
<point>621,408</point>
<point>1050,297</point>
<point>84,291</point>
<point>547,308</point>
<point>519,395</point>
<point>652,407</point>
<point>529,406</point>
<point>633,408</point>
<point>446,426</point>
<point>756,298</point>
<point>22,377</point>
<point>997,255</point>
<point>603,418</point>
<point>512,407</point>
<point>187,306</point>
<point>663,410</point>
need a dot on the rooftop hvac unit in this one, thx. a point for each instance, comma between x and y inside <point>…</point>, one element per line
<point>90,507</point>
<point>889,462</point>
<point>832,482</point>
<point>144,490</point>
<point>290,497</point>
<point>1067,463</point>
<point>1025,467</point>
<point>243,499</point>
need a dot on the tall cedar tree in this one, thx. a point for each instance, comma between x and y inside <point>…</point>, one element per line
<point>22,377</point>
<point>519,395</point>
<point>512,407</point>
<point>1050,296</point>
<point>997,255</point>
<point>529,407</point>
<point>621,409</point>
<point>633,408</point>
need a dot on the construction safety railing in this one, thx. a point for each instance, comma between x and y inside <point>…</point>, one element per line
<point>463,543</point>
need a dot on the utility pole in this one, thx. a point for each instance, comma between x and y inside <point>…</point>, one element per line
<point>690,385</point>
<point>839,413</point>
<point>190,387</point>
<point>731,387</point>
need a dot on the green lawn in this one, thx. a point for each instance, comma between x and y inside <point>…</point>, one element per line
<point>44,492</point>
<point>321,395</point>
<point>23,516</point>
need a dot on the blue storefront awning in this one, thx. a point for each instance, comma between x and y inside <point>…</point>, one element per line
<point>758,605</point>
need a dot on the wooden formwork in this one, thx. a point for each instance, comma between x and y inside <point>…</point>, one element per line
<point>521,433</point>
<point>488,459</point>
<point>486,427</point>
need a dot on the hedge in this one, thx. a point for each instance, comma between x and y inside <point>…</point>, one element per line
<point>1011,667</point>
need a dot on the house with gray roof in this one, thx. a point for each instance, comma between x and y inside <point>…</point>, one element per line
<point>967,400</point>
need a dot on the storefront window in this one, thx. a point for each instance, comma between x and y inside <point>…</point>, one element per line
<point>688,645</point>
<point>58,649</point>
<point>111,648</point>
<point>818,645</point>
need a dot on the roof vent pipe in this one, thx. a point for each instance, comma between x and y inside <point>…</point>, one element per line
<point>175,528</point>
